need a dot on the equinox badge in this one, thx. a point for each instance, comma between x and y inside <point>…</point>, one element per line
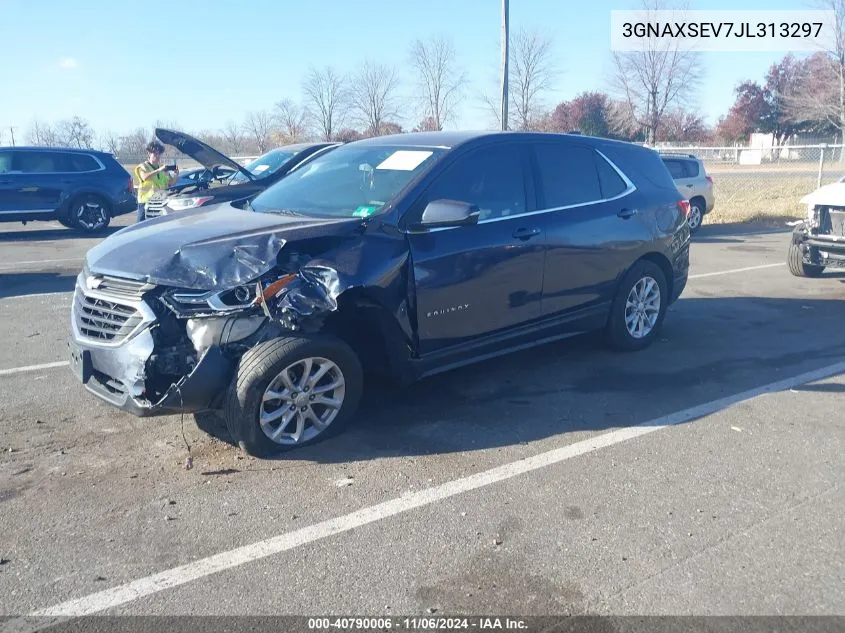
<point>442,311</point>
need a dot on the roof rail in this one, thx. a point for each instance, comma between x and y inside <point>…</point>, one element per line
<point>671,153</point>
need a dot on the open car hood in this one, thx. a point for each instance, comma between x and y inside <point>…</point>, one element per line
<point>204,154</point>
<point>827,196</point>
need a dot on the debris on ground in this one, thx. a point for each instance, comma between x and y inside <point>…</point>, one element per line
<point>99,579</point>
<point>497,540</point>
<point>736,428</point>
<point>4,561</point>
<point>189,463</point>
<point>432,610</point>
<point>346,481</point>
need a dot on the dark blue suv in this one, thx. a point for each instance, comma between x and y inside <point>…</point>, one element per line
<point>82,189</point>
<point>397,257</point>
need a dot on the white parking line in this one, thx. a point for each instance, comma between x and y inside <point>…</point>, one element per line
<point>41,261</point>
<point>20,370</point>
<point>134,590</point>
<point>736,270</point>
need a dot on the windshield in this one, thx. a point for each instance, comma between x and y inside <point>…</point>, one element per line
<point>265,165</point>
<point>347,182</point>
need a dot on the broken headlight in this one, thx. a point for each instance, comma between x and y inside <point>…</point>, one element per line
<point>187,303</point>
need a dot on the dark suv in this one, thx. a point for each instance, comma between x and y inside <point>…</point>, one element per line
<point>402,256</point>
<point>82,189</point>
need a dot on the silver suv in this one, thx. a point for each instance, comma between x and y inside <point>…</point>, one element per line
<point>693,183</point>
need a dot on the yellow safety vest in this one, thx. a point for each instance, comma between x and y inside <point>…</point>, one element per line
<point>148,187</point>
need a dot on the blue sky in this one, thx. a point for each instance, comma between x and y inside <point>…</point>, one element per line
<point>199,63</point>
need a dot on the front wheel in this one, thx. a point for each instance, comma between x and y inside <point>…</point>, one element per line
<point>291,392</point>
<point>797,265</point>
<point>639,307</point>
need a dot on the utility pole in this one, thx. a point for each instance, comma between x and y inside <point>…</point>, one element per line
<point>12,130</point>
<point>505,50</point>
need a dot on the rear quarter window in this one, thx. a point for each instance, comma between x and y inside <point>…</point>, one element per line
<point>691,168</point>
<point>642,165</point>
<point>675,167</point>
<point>611,182</point>
<point>81,162</point>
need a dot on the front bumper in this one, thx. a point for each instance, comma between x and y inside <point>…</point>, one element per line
<point>117,372</point>
<point>819,250</point>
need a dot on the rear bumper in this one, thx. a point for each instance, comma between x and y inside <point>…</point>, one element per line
<point>126,204</point>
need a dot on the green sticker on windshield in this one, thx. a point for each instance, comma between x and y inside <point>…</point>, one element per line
<point>365,211</point>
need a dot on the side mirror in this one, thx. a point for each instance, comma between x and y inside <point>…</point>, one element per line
<point>441,213</point>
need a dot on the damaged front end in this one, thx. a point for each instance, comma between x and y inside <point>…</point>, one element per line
<point>154,349</point>
<point>820,237</point>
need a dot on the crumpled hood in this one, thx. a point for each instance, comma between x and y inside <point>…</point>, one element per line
<point>209,248</point>
<point>827,196</point>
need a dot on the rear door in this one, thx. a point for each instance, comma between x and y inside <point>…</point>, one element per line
<point>8,199</point>
<point>593,225</point>
<point>40,186</point>
<point>476,280</point>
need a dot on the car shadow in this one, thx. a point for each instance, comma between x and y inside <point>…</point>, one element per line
<point>733,232</point>
<point>54,234</point>
<point>709,348</point>
<point>23,284</point>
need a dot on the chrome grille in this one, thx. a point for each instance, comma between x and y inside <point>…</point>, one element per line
<point>104,320</point>
<point>154,208</point>
<point>837,222</point>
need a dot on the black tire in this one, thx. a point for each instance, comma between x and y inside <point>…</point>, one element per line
<point>617,334</point>
<point>797,266</point>
<point>696,216</point>
<point>262,364</point>
<point>80,211</point>
<point>66,223</point>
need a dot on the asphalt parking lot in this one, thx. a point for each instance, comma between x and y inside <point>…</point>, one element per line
<point>701,476</point>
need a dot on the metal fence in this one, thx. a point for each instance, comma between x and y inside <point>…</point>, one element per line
<point>765,182</point>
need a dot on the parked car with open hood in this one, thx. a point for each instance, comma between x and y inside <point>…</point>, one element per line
<point>403,255</point>
<point>200,177</point>
<point>228,179</point>
<point>818,242</point>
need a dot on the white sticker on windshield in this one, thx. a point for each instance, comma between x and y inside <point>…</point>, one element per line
<point>404,160</point>
<point>260,168</point>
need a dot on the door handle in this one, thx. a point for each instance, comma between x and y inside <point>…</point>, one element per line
<point>627,213</point>
<point>525,233</point>
<point>690,186</point>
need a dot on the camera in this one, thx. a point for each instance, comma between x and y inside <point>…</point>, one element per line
<point>170,166</point>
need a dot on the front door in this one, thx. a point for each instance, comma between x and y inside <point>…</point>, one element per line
<point>484,278</point>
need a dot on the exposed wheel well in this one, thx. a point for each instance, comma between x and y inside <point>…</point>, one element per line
<point>702,201</point>
<point>372,332</point>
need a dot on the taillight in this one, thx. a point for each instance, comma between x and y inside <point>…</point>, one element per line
<point>709,179</point>
<point>683,205</point>
<point>131,186</point>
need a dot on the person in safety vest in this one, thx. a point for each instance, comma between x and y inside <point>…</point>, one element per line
<point>153,177</point>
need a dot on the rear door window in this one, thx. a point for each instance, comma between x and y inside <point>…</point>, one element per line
<point>568,174</point>
<point>611,182</point>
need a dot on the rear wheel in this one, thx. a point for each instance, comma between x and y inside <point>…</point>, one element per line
<point>291,392</point>
<point>89,213</point>
<point>696,213</point>
<point>639,308</point>
<point>797,265</point>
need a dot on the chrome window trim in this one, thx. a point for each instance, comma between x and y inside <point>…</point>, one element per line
<point>630,188</point>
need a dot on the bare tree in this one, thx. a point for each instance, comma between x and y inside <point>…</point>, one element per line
<point>234,137</point>
<point>821,100</point>
<point>109,142</point>
<point>291,120</point>
<point>653,80</point>
<point>133,145</point>
<point>531,75</point>
<point>439,82</point>
<point>258,125</point>
<point>373,95</point>
<point>326,100</point>
<point>41,133</point>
